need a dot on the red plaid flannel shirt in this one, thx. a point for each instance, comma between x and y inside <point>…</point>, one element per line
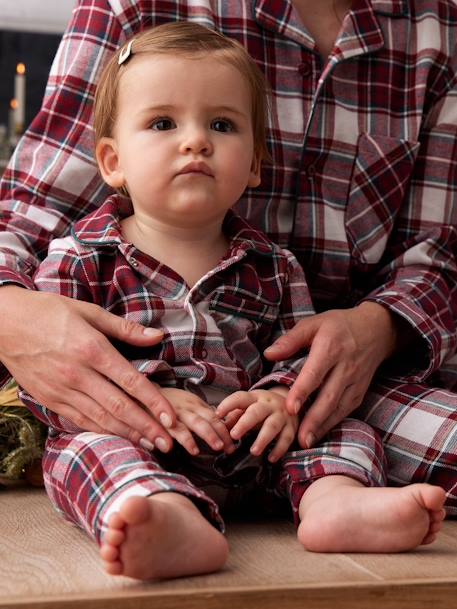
<point>363,182</point>
<point>215,332</point>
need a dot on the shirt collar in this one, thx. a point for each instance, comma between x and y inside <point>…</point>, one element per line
<point>362,33</point>
<point>392,8</point>
<point>244,237</point>
<point>102,228</point>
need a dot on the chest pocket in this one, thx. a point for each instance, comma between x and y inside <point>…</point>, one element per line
<point>241,304</point>
<point>380,178</point>
<point>246,324</point>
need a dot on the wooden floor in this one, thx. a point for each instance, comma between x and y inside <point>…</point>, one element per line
<point>48,564</point>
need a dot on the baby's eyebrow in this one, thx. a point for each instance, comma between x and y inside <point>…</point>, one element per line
<point>167,108</point>
<point>162,108</point>
<point>227,109</point>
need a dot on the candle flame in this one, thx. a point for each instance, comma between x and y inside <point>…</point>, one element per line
<point>13,104</point>
<point>20,68</point>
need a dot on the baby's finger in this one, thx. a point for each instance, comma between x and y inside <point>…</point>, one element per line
<point>223,431</point>
<point>253,416</point>
<point>285,439</point>
<point>271,428</point>
<point>182,435</point>
<point>239,399</point>
<point>207,430</point>
<point>231,419</point>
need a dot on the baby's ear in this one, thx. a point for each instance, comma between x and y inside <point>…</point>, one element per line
<point>108,162</point>
<point>254,176</point>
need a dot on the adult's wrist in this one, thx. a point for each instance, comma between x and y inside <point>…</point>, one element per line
<point>9,293</point>
<point>384,324</point>
<point>13,313</point>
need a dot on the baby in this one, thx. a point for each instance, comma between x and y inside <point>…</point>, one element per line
<point>180,134</point>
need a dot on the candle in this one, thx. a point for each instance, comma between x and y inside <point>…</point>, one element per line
<point>19,95</point>
<point>12,122</point>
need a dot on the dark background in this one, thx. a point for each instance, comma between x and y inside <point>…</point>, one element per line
<point>37,52</point>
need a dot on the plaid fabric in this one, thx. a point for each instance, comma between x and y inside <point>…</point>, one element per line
<point>362,187</point>
<point>214,333</point>
<point>363,184</point>
<point>88,476</point>
<point>418,428</point>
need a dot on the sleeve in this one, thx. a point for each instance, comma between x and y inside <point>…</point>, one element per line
<point>295,305</point>
<point>65,271</point>
<point>52,179</point>
<point>62,272</point>
<point>418,280</point>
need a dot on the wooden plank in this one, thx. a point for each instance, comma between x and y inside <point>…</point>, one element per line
<point>47,563</point>
<point>436,561</point>
<point>413,595</point>
<point>58,556</point>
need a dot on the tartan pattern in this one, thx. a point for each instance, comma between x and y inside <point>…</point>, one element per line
<point>363,228</point>
<point>88,476</point>
<point>418,428</point>
<point>214,332</point>
<point>362,187</point>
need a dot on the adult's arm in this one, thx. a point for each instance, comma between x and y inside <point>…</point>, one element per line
<point>407,320</point>
<point>51,181</point>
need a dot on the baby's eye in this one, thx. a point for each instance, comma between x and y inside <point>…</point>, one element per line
<point>163,124</point>
<point>223,125</point>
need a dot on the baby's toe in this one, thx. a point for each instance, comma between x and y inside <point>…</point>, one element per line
<point>116,521</point>
<point>114,568</point>
<point>114,537</point>
<point>109,553</point>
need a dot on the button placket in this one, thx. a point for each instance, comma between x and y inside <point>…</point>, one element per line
<point>304,68</point>
<point>311,170</point>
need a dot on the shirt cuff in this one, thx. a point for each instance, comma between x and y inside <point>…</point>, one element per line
<point>5,376</point>
<point>10,277</point>
<point>283,373</point>
<point>426,353</point>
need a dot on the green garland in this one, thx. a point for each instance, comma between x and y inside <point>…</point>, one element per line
<point>22,439</point>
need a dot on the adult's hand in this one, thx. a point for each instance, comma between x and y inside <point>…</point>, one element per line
<point>345,349</point>
<point>57,349</point>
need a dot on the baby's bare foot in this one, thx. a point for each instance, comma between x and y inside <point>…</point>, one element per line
<point>347,517</point>
<point>161,536</point>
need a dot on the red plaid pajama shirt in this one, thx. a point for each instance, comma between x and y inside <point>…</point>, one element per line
<point>362,187</point>
<point>214,335</point>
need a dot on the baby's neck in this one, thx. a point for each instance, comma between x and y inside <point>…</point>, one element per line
<point>189,251</point>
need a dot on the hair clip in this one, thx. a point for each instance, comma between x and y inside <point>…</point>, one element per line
<point>125,53</point>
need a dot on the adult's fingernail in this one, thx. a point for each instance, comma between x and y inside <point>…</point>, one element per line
<point>165,419</point>
<point>297,406</point>
<point>152,332</point>
<point>144,442</point>
<point>161,445</point>
<point>310,439</point>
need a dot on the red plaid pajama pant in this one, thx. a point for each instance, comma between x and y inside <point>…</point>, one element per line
<point>88,475</point>
<point>418,428</point>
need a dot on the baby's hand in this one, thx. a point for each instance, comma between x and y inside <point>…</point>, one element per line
<point>195,416</point>
<point>264,408</point>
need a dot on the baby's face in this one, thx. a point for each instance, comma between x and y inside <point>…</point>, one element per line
<point>184,137</point>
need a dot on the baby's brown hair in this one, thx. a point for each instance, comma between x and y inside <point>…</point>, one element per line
<point>190,40</point>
